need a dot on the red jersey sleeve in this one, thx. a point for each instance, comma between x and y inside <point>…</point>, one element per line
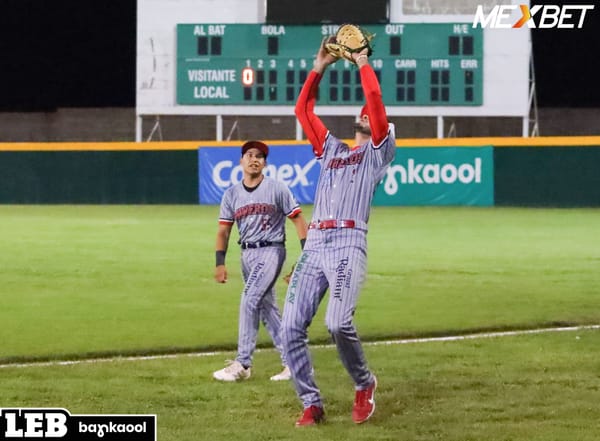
<point>376,110</point>
<point>313,126</point>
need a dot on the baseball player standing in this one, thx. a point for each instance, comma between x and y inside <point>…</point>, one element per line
<point>335,254</point>
<point>259,205</point>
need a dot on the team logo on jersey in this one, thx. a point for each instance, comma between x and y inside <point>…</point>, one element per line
<point>353,159</point>
<point>254,209</point>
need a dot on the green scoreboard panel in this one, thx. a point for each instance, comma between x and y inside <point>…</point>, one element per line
<point>420,64</point>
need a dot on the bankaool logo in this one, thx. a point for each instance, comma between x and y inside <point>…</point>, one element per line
<point>415,173</point>
<point>538,16</point>
<point>439,176</point>
<point>30,424</point>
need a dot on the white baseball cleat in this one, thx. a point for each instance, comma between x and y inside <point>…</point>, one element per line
<point>233,372</point>
<point>284,375</point>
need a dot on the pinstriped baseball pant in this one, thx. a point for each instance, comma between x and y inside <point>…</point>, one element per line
<point>260,268</point>
<point>334,259</point>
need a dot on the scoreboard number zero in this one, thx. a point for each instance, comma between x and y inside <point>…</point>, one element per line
<point>418,64</point>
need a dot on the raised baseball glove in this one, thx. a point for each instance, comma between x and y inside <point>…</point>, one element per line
<point>349,39</point>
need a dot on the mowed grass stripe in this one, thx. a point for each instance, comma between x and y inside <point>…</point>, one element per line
<point>449,338</point>
<point>94,281</point>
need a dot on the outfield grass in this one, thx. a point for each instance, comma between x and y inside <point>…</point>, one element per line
<point>83,281</point>
<point>79,281</point>
<point>542,387</point>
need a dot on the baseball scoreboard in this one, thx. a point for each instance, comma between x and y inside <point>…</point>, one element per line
<point>418,64</point>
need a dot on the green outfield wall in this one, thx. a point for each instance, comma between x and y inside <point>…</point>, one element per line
<point>548,172</point>
<point>547,176</point>
<point>99,177</point>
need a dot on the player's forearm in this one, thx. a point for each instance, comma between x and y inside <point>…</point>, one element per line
<point>301,227</point>
<point>221,247</point>
<point>313,126</point>
<point>319,67</point>
<point>307,98</point>
<point>222,241</point>
<point>377,114</point>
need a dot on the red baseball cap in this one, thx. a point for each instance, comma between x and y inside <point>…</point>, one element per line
<point>255,145</point>
<point>364,111</point>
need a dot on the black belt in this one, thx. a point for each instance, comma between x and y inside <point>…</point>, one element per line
<point>262,243</point>
<point>332,223</point>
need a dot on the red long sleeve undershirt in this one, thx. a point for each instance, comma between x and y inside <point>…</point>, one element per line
<point>313,126</point>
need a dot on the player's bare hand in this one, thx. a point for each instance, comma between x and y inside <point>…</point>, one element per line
<point>362,57</point>
<point>288,277</point>
<point>221,274</point>
<point>324,58</point>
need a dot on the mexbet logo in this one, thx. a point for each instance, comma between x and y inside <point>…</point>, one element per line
<point>539,16</point>
<point>225,174</point>
<point>422,174</point>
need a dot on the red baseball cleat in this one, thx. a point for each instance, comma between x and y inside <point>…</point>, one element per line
<point>364,403</point>
<point>312,415</point>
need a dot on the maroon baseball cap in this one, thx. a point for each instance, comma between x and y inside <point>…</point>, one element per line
<point>256,145</point>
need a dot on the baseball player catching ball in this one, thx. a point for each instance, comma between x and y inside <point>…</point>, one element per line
<point>259,205</point>
<point>335,254</point>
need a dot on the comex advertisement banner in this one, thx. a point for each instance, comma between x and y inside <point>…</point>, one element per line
<point>417,176</point>
<point>219,168</point>
<point>439,176</point>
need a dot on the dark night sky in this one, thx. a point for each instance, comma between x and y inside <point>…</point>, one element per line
<point>566,62</point>
<point>67,53</point>
<point>76,53</point>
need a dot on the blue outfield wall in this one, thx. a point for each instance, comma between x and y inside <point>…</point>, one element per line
<point>219,168</point>
<point>417,176</point>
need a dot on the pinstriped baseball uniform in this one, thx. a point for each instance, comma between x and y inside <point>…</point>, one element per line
<point>335,253</point>
<point>260,216</point>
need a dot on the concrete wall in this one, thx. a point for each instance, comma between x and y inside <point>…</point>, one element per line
<point>118,124</point>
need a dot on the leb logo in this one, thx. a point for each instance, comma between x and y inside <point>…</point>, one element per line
<point>56,423</point>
